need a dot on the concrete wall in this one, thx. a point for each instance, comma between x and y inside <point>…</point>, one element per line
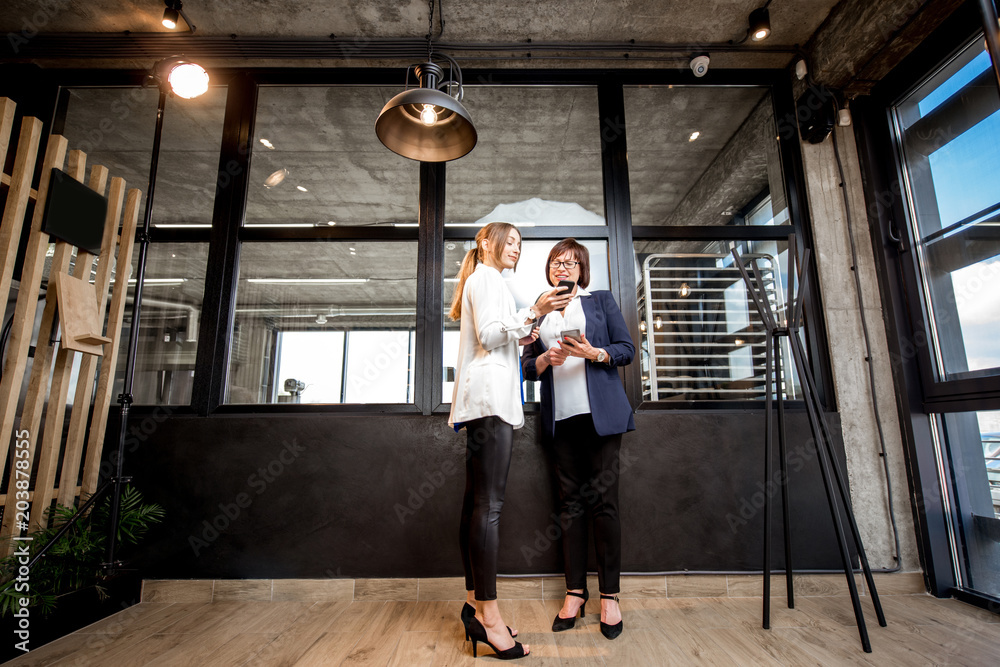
<point>832,248</point>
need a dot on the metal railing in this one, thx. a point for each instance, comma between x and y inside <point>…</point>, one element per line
<point>701,337</point>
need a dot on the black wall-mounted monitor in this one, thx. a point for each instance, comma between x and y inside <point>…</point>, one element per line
<point>74,213</point>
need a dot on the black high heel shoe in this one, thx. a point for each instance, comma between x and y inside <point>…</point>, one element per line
<point>468,612</point>
<point>478,634</point>
<point>611,631</point>
<point>560,623</point>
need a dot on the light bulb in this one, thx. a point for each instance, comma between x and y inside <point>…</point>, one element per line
<point>188,80</point>
<point>428,117</point>
<point>685,290</point>
<point>169,22</point>
<point>658,322</point>
<point>760,34</point>
<point>642,326</point>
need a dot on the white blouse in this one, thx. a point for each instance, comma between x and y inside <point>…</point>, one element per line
<point>487,374</point>
<point>569,386</point>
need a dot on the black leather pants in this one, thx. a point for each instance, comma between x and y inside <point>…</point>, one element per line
<point>487,462</point>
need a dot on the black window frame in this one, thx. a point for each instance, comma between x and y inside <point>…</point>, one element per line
<point>227,232</point>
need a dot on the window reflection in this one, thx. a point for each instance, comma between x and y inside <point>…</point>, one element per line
<point>701,335</point>
<point>317,161</point>
<point>115,127</point>
<point>324,322</point>
<point>170,315</point>
<point>538,161</point>
<point>703,155</point>
<point>525,284</point>
<point>949,134</point>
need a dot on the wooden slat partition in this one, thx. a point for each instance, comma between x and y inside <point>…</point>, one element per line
<point>17,196</point>
<point>88,364</point>
<point>51,397</point>
<point>7,108</point>
<point>24,317</point>
<point>106,381</point>
<point>58,393</point>
<point>41,363</point>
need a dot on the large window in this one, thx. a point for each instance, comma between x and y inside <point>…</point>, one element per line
<point>317,161</point>
<point>703,155</point>
<point>701,336</point>
<point>525,284</point>
<point>538,161</point>
<point>949,137</point>
<point>947,132</point>
<point>114,126</point>
<point>324,322</point>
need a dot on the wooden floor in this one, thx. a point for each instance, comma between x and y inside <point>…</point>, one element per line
<point>922,630</point>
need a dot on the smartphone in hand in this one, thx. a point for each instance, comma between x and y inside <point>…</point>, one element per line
<point>572,333</point>
<point>569,285</point>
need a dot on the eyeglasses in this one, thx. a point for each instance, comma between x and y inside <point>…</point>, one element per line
<point>569,265</point>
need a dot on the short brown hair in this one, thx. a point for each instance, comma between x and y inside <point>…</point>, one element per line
<point>580,253</point>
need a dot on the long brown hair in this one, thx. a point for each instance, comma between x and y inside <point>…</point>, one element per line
<point>496,233</point>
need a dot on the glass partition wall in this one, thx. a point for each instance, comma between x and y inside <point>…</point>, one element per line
<point>114,126</point>
<point>333,271</point>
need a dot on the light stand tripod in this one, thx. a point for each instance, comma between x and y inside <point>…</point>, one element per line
<point>822,437</point>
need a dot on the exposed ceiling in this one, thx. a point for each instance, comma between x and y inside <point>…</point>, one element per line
<point>542,142</point>
<point>671,21</point>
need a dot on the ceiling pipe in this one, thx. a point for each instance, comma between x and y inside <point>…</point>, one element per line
<point>151,45</point>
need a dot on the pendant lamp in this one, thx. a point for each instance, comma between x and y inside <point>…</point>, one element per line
<point>426,123</point>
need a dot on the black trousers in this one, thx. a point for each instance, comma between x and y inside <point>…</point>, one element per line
<point>587,468</point>
<point>487,462</point>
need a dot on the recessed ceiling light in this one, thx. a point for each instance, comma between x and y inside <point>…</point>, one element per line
<point>300,188</point>
<point>694,135</point>
<point>351,249</point>
<point>275,178</point>
<point>331,222</point>
<point>267,143</point>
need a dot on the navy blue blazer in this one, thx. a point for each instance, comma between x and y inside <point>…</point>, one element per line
<point>606,329</point>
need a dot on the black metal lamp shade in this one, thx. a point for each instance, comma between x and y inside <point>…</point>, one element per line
<point>449,136</point>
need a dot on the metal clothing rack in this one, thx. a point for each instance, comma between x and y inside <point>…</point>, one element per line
<point>833,478</point>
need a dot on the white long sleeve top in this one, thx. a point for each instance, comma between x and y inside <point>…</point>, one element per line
<point>487,375</point>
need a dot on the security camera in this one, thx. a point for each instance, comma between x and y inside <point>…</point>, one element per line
<point>699,65</point>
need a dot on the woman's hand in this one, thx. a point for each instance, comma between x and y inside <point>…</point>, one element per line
<point>556,356</point>
<point>582,349</point>
<point>552,300</point>
<point>530,338</point>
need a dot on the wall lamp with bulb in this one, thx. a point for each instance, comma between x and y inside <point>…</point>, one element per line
<point>181,77</point>
<point>426,123</point>
<point>174,11</point>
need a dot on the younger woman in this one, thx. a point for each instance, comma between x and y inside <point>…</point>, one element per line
<point>487,402</point>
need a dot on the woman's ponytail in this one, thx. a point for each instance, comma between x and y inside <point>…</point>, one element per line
<point>468,266</point>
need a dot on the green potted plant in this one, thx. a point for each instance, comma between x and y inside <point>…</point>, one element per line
<point>73,567</point>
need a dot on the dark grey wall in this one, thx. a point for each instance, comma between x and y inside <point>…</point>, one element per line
<point>380,495</point>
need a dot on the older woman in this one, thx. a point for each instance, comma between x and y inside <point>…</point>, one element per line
<point>584,413</point>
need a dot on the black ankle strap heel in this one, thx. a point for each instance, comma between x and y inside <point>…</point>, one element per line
<point>560,623</point>
<point>611,631</point>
